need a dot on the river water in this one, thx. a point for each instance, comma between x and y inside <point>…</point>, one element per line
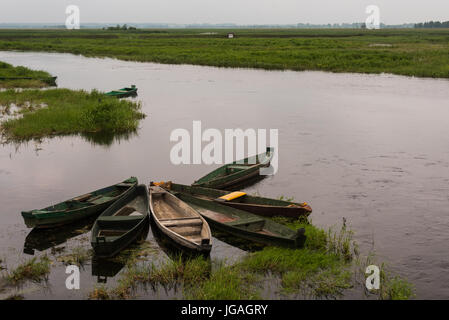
<point>373,149</point>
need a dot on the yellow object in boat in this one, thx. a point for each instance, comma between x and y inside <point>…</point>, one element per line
<point>232,196</point>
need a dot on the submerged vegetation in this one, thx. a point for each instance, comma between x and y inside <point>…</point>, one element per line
<point>324,268</point>
<point>10,77</point>
<point>413,52</point>
<point>35,270</point>
<point>62,111</point>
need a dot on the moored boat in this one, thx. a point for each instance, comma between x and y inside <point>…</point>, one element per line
<point>240,200</point>
<point>123,93</point>
<point>180,222</point>
<point>121,224</point>
<point>79,207</point>
<point>243,224</point>
<point>237,172</point>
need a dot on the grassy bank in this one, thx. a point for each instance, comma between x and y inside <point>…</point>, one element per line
<point>405,52</point>
<point>326,267</point>
<point>62,111</point>
<point>10,77</point>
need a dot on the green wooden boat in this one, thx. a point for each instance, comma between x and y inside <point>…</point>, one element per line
<point>258,205</point>
<point>123,93</point>
<point>121,224</point>
<point>79,207</point>
<point>235,173</point>
<point>243,224</point>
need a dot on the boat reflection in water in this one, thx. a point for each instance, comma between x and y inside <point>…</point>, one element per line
<point>43,239</point>
<point>104,268</point>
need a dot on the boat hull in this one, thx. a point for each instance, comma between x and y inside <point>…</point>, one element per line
<point>258,205</point>
<point>131,228</point>
<point>182,242</point>
<point>275,234</point>
<point>52,217</point>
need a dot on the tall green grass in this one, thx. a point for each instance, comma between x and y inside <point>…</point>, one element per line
<point>9,71</point>
<point>62,111</point>
<point>407,52</point>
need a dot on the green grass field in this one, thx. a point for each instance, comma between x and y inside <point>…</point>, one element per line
<point>413,52</point>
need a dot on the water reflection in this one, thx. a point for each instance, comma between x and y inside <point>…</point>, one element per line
<point>104,268</point>
<point>107,139</point>
<point>43,239</point>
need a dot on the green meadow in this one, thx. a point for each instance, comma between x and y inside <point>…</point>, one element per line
<point>411,52</point>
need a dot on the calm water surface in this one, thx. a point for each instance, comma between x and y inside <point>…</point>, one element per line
<point>373,149</point>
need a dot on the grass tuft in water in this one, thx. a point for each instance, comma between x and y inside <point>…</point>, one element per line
<point>79,256</point>
<point>34,270</point>
<point>99,293</point>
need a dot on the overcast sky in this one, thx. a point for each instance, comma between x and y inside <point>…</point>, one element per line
<point>224,11</point>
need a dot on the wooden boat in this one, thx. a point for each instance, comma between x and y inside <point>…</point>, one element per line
<point>258,205</point>
<point>123,93</point>
<point>243,224</point>
<point>121,224</point>
<point>79,207</point>
<point>236,172</point>
<point>180,222</point>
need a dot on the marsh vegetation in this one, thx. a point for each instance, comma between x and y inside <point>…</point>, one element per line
<point>43,113</point>
<point>412,52</point>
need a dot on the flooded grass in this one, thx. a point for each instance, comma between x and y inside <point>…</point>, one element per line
<point>99,293</point>
<point>63,111</point>
<point>405,52</point>
<point>9,71</point>
<point>79,256</point>
<point>35,270</point>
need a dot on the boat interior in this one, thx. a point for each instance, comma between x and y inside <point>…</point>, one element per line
<point>179,218</point>
<point>123,219</point>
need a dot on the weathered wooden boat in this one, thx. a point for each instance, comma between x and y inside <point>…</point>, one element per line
<point>237,172</point>
<point>180,222</point>
<point>243,224</point>
<point>123,93</point>
<point>79,207</point>
<point>240,200</point>
<point>121,224</point>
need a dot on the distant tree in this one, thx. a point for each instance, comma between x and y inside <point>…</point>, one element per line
<point>432,24</point>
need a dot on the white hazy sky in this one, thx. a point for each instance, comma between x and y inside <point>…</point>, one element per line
<point>224,11</point>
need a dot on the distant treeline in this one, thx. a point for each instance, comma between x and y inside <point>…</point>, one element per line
<point>433,24</point>
<point>118,27</point>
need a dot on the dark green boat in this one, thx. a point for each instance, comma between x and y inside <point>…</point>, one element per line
<point>258,205</point>
<point>79,207</point>
<point>237,172</point>
<point>121,224</point>
<point>123,93</point>
<point>243,224</point>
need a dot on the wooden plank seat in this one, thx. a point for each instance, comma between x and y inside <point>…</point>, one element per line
<point>83,197</point>
<point>185,222</point>
<point>187,231</point>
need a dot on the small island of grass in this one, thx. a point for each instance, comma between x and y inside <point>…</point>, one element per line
<point>43,113</point>
<point>22,77</point>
